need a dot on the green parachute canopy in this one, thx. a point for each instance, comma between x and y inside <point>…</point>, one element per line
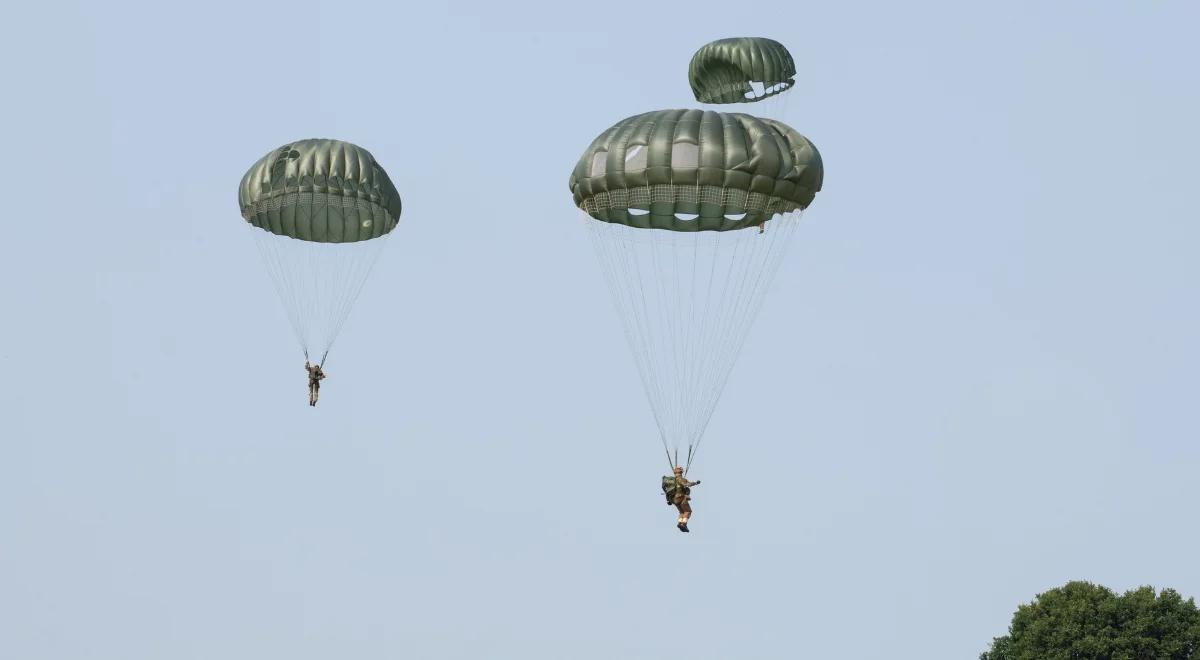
<point>696,170</point>
<point>320,211</point>
<point>325,191</point>
<point>724,71</point>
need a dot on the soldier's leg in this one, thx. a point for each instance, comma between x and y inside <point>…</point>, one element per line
<point>685,510</point>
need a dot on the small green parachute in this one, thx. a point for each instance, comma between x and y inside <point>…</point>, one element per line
<point>741,70</point>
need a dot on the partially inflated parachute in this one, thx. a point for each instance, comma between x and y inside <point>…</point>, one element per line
<point>675,202</point>
<point>744,70</point>
<point>319,211</point>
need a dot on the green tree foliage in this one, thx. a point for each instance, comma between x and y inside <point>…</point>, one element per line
<point>1083,621</point>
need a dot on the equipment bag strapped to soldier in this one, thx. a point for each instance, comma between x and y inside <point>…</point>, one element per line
<point>668,488</point>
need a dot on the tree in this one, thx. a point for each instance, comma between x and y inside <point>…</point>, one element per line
<point>1083,621</point>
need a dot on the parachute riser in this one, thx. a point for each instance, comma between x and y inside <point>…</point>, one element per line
<point>673,461</point>
<point>320,364</point>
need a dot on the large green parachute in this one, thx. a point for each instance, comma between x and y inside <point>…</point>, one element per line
<point>741,70</point>
<point>690,212</point>
<point>318,210</point>
<point>729,170</point>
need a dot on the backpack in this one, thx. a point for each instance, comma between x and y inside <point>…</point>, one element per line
<point>668,487</point>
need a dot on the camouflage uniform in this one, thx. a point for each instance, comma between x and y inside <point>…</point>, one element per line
<point>681,497</point>
<point>315,374</point>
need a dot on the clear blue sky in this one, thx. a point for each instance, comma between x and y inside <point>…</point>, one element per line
<point>973,379</point>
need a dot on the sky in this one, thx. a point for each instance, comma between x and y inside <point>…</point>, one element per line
<point>973,378</point>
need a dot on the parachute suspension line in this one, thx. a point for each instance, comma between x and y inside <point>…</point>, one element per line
<point>359,278</point>
<point>690,369</point>
<point>656,354</point>
<point>354,286</point>
<point>781,107</point>
<point>620,267</point>
<point>652,355</point>
<point>268,249</point>
<point>679,288</point>
<point>646,360</point>
<point>696,361</point>
<point>623,251</point>
<point>650,364</point>
<point>713,334</point>
<point>773,107</point>
<point>686,328</point>
<point>665,353</point>
<point>718,340</point>
<point>770,254</point>
<point>318,283</point>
